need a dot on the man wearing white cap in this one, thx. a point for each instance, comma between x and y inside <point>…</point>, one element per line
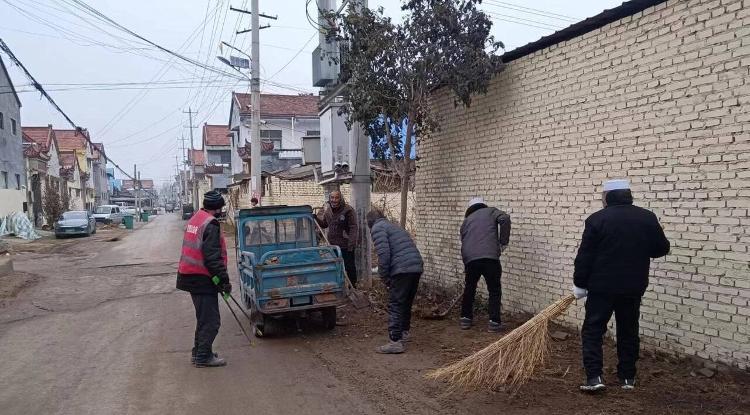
<point>612,269</point>
<point>484,235</point>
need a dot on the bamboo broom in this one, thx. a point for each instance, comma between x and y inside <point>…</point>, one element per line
<point>510,361</point>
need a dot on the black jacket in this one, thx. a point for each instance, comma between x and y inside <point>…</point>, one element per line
<point>211,247</point>
<point>397,253</point>
<point>617,246</point>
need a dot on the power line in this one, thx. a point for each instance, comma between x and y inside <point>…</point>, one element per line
<point>531,10</point>
<point>4,47</point>
<point>521,19</point>
<point>293,57</point>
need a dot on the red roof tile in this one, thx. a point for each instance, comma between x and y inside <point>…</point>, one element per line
<point>99,147</point>
<point>70,140</point>
<point>198,156</point>
<point>42,136</point>
<point>216,135</point>
<point>273,105</point>
<point>33,150</point>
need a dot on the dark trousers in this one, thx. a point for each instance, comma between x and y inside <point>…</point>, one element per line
<point>491,270</point>
<point>401,292</point>
<point>207,324</point>
<point>599,309</point>
<point>350,265</point>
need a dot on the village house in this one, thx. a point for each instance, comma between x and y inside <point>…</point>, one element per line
<point>99,175</point>
<point>70,171</point>
<point>217,149</point>
<point>197,159</point>
<point>42,167</point>
<point>76,142</point>
<point>13,188</point>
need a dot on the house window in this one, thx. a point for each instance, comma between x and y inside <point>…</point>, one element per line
<point>13,126</point>
<point>4,180</point>
<point>2,121</point>
<point>270,133</point>
<point>313,133</point>
<point>18,182</point>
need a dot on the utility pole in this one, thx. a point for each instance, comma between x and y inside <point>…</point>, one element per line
<point>135,191</point>
<point>255,160</point>
<point>183,172</point>
<point>194,191</point>
<point>359,162</point>
<point>178,178</point>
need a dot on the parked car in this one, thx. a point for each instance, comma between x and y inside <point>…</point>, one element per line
<point>108,214</point>
<point>187,212</point>
<point>75,222</point>
<point>128,210</point>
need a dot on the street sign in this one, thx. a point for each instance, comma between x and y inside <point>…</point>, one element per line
<point>238,62</point>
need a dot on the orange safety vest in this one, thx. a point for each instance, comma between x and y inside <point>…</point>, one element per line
<point>191,261</point>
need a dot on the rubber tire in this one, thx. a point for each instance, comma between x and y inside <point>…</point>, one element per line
<point>267,327</point>
<point>329,317</point>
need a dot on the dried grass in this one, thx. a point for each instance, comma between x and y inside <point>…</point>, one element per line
<point>510,361</point>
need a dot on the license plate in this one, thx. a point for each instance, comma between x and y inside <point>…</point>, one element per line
<point>70,230</point>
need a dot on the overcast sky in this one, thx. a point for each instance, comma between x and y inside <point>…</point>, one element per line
<point>132,97</point>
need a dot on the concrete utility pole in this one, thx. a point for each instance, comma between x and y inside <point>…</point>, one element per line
<point>194,191</point>
<point>359,162</point>
<point>135,191</point>
<point>255,159</point>
<point>183,172</point>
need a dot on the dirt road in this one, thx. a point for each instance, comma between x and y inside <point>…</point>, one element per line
<point>103,331</point>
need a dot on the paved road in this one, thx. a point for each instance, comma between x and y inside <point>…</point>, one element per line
<point>105,332</point>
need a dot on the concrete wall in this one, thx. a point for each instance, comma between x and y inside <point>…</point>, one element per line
<point>11,150</point>
<point>661,97</point>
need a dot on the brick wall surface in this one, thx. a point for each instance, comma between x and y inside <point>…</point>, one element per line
<point>662,98</point>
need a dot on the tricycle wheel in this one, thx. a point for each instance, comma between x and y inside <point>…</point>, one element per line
<point>329,317</point>
<point>265,326</point>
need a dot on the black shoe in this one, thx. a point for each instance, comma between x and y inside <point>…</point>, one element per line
<point>464,323</point>
<point>594,384</point>
<point>494,327</point>
<point>627,384</point>
<point>213,361</point>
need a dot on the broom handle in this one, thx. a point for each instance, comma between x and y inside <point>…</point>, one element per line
<point>325,238</point>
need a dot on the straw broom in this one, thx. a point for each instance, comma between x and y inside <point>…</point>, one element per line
<point>510,361</point>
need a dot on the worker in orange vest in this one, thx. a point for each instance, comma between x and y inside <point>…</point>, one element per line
<point>204,255</point>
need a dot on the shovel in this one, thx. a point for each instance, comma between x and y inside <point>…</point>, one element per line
<point>357,297</point>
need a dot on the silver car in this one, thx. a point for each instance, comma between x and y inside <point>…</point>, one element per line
<point>75,222</point>
<point>108,214</point>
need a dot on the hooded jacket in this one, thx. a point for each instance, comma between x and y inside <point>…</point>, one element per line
<point>617,246</point>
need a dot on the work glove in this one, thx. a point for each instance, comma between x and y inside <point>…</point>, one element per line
<point>225,287</point>
<point>580,292</point>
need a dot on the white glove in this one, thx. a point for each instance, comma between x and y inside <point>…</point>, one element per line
<point>580,292</point>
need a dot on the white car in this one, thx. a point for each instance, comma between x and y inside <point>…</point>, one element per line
<point>108,214</point>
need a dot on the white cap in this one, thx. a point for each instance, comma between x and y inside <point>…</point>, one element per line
<point>476,201</point>
<point>617,184</point>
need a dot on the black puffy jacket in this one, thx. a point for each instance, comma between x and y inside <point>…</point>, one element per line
<point>397,253</point>
<point>617,246</point>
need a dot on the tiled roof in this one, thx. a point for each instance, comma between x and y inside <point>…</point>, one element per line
<point>146,183</point>
<point>70,140</point>
<point>32,149</point>
<point>273,105</point>
<point>198,157</point>
<point>99,147</point>
<point>216,135</point>
<point>42,136</point>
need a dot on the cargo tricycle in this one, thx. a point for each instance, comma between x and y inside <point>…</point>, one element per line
<point>283,271</point>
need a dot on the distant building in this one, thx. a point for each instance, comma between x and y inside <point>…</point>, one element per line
<point>42,168</point>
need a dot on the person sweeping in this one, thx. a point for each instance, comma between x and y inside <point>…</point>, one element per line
<point>400,266</point>
<point>611,271</point>
<point>204,255</point>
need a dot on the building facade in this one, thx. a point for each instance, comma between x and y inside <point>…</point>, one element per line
<point>656,92</point>
<point>13,187</point>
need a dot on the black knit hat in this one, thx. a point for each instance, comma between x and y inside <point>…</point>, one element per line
<point>213,200</point>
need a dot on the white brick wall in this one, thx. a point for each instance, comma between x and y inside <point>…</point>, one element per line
<point>661,97</point>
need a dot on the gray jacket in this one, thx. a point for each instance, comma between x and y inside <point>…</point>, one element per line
<point>480,237</point>
<point>397,253</point>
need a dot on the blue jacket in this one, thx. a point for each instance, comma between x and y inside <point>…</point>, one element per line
<point>397,253</point>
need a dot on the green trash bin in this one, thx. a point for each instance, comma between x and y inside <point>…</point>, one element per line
<point>128,221</point>
<point>144,216</point>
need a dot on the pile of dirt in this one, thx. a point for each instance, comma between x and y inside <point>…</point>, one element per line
<point>13,283</point>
